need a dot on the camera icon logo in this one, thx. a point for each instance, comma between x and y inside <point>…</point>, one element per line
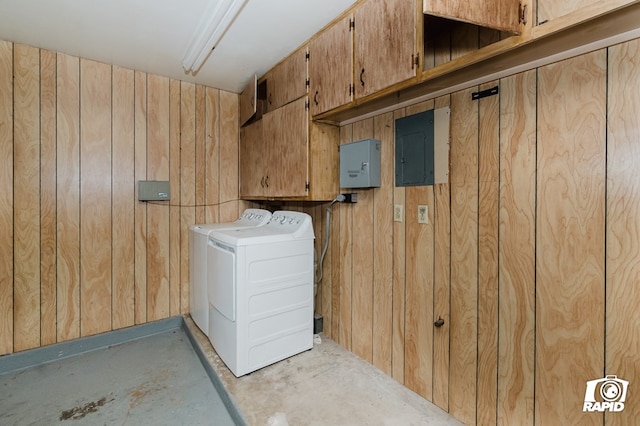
<point>606,394</point>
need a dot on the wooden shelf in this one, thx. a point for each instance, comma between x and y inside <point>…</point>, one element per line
<point>568,36</point>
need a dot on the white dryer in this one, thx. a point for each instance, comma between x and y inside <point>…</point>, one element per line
<point>261,292</point>
<point>198,237</point>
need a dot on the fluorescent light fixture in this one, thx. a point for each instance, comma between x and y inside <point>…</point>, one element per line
<point>211,29</point>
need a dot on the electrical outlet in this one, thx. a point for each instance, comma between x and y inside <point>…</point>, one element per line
<point>423,214</point>
<point>397,213</point>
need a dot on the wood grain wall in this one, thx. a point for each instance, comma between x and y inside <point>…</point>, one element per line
<point>79,255</point>
<point>531,254</point>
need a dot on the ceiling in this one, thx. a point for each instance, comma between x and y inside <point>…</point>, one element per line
<point>153,36</point>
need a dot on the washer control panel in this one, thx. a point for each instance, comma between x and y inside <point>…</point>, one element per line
<point>255,217</point>
<point>289,219</point>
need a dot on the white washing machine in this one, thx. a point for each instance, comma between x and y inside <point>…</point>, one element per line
<point>198,237</point>
<point>261,292</point>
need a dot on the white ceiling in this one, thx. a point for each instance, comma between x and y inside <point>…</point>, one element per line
<point>153,36</point>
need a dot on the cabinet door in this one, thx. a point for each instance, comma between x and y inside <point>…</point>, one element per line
<point>552,9</point>
<point>497,14</point>
<point>253,160</point>
<point>331,67</point>
<point>286,129</point>
<point>287,81</point>
<point>385,44</point>
<point>248,100</point>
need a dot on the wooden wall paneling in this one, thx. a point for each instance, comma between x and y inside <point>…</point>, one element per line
<point>26,192</point>
<point>229,139</point>
<point>318,226</point>
<point>516,319</point>
<point>6,198</point>
<point>140,166</point>
<point>419,285</point>
<point>174,207</point>
<point>383,129</point>
<point>334,261</point>
<point>68,197</point>
<point>464,256</point>
<point>464,39</point>
<point>187,184</point>
<point>123,198</point>
<point>623,227</point>
<point>488,202</point>
<point>48,333</point>
<point>212,155</point>
<point>95,197</point>
<point>362,286</point>
<point>201,160</point>
<point>158,158</point>
<point>399,277</point>
<point>327,284</point>
<point>346,258</point>
<point>441,284</point>
<point>570,236</point>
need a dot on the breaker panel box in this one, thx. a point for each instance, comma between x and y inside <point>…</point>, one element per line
<point>153,190</point>
<point>360,164</point>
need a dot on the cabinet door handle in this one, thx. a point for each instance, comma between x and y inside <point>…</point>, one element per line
<point>252,102</point>
<point>269,98</point>
<point>315,98</point>
<point>439,323</point>
<point>266,181</point>
<point>262,182</point>
<point>362,75</point>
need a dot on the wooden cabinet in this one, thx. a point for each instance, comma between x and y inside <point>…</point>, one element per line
<point>285,156</point>
<point>331,67</point>
<point>384,45</point>
<point>287,130</point>
<point>503,15</point>
<point>253,162</point>
<point>249,100</point>
<point>287,81</point>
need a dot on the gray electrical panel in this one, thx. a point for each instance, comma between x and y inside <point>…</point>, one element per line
<point>153,190</point>
<point>360,164</point>
<point>422,148</point>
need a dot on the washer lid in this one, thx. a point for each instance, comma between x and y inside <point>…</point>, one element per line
<point>248,219</point>
<point>284,226</point>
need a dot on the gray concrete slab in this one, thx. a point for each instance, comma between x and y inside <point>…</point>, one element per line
<point>155,380</point>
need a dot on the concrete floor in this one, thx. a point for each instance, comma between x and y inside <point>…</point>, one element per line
<point>155,380</point>
<point>326,386</point>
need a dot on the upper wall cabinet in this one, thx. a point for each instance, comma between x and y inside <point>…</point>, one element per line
<point>287,81</point>
<point>331,67</point>
<point>385,45</point>
<point>503,15</point>
<point>249,100</point>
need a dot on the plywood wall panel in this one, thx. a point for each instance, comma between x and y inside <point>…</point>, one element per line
<point>26,192</point>
<point>90,258</point>
<point>549,9</point>
<point>488,202</point>
<point>383,129</point>
<point>187,184</point>
<point>47,197</point>
<point>570,235</point>
<point>362,285</point>
<point>158,157</point>
<point>201,160</point>
<point>212,155</point>
<point>334,264</point>
<point>346,259</point>
<point>419,284</point>
<point>140,167</point>
<point>464,258</point>
<point>123,202</point>
<point>174,208</point>
<point>623,226</point>
<point>399,278</point>
<point>516,262</point>
<point>441,285</point>
<point>95,199</point>
<point>6,198</point>
<point>229,136</point>
<point>68,197</point>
